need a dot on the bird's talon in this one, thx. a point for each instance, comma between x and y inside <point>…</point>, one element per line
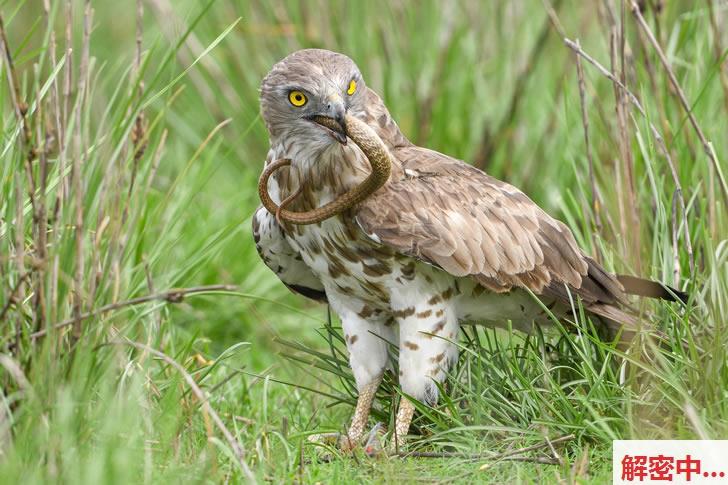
<point>371,443</point>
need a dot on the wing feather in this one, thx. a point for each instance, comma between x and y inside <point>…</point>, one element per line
<point>451,214</point>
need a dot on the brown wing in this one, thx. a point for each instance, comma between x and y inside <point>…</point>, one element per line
<point>452,215</point>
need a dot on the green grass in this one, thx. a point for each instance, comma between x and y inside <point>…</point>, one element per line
<point>83,407</point>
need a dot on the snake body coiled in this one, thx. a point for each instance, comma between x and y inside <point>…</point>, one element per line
<point>379,159</point>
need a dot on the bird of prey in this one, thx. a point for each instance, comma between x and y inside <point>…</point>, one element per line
<point>403,242</point>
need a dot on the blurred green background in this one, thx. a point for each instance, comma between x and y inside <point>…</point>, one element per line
<point>488,82</point>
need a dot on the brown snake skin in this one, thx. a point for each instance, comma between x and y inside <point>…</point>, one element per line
<point>373,149</point>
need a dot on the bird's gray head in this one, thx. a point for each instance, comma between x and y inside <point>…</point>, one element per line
<point>306,96</point>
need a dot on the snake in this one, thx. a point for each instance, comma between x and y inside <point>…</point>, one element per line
<point>372,147</point>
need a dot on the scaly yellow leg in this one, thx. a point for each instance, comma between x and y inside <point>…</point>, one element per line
<point>361,415</point>
<point>402,424</point>
<point>358,422</point>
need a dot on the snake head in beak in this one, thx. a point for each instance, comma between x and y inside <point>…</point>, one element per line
<point>333,120</point>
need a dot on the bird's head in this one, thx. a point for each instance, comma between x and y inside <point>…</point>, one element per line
<point>308,94</point>
<point>315,98</point>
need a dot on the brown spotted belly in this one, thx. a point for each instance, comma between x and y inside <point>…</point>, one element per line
<point>350,264</point>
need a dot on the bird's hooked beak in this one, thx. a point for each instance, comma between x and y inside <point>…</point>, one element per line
<point>333,118</point>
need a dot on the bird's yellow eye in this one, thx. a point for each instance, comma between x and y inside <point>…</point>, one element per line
<point>352,88</point>
<point>297,98</point>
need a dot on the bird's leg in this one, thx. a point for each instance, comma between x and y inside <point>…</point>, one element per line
<point>366,341</point>
<point>361,415</point>
<point>401,424</point>
<point>428,327</point>
<point>353,437</point>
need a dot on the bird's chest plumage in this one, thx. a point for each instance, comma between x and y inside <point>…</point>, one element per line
<point>347,261</point>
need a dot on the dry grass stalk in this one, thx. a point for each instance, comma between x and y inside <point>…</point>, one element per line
<point>712,218</point>
<point>595,199</point>
<point>652,77</point>
<point>68,81</point>
<point>138,144</point>
<point>113,216</point>
<point>626,157</point>
<point>157,326</point>
<point>171,296</point>
<point>40,218</point>
<point>19,292</point>
<point>15,371</point>
<point>718,49</point>
<point>138,132</point>
<point>551,446</point>
<point>656,135</point>
<point>683,99</point>
<point>139,137</point>
<point>20,108</point>
<point>55,94</point>
<point>580,469</point>
<point>60,143</point>
<point>554,18</point>
<point>619,167</point>
<point>76,184</point>
<point>675,252</point>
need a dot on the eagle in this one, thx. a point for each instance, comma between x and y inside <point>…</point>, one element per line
<point>404,243</point>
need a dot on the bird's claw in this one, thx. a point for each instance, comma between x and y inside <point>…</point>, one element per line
<point>371,443</point>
